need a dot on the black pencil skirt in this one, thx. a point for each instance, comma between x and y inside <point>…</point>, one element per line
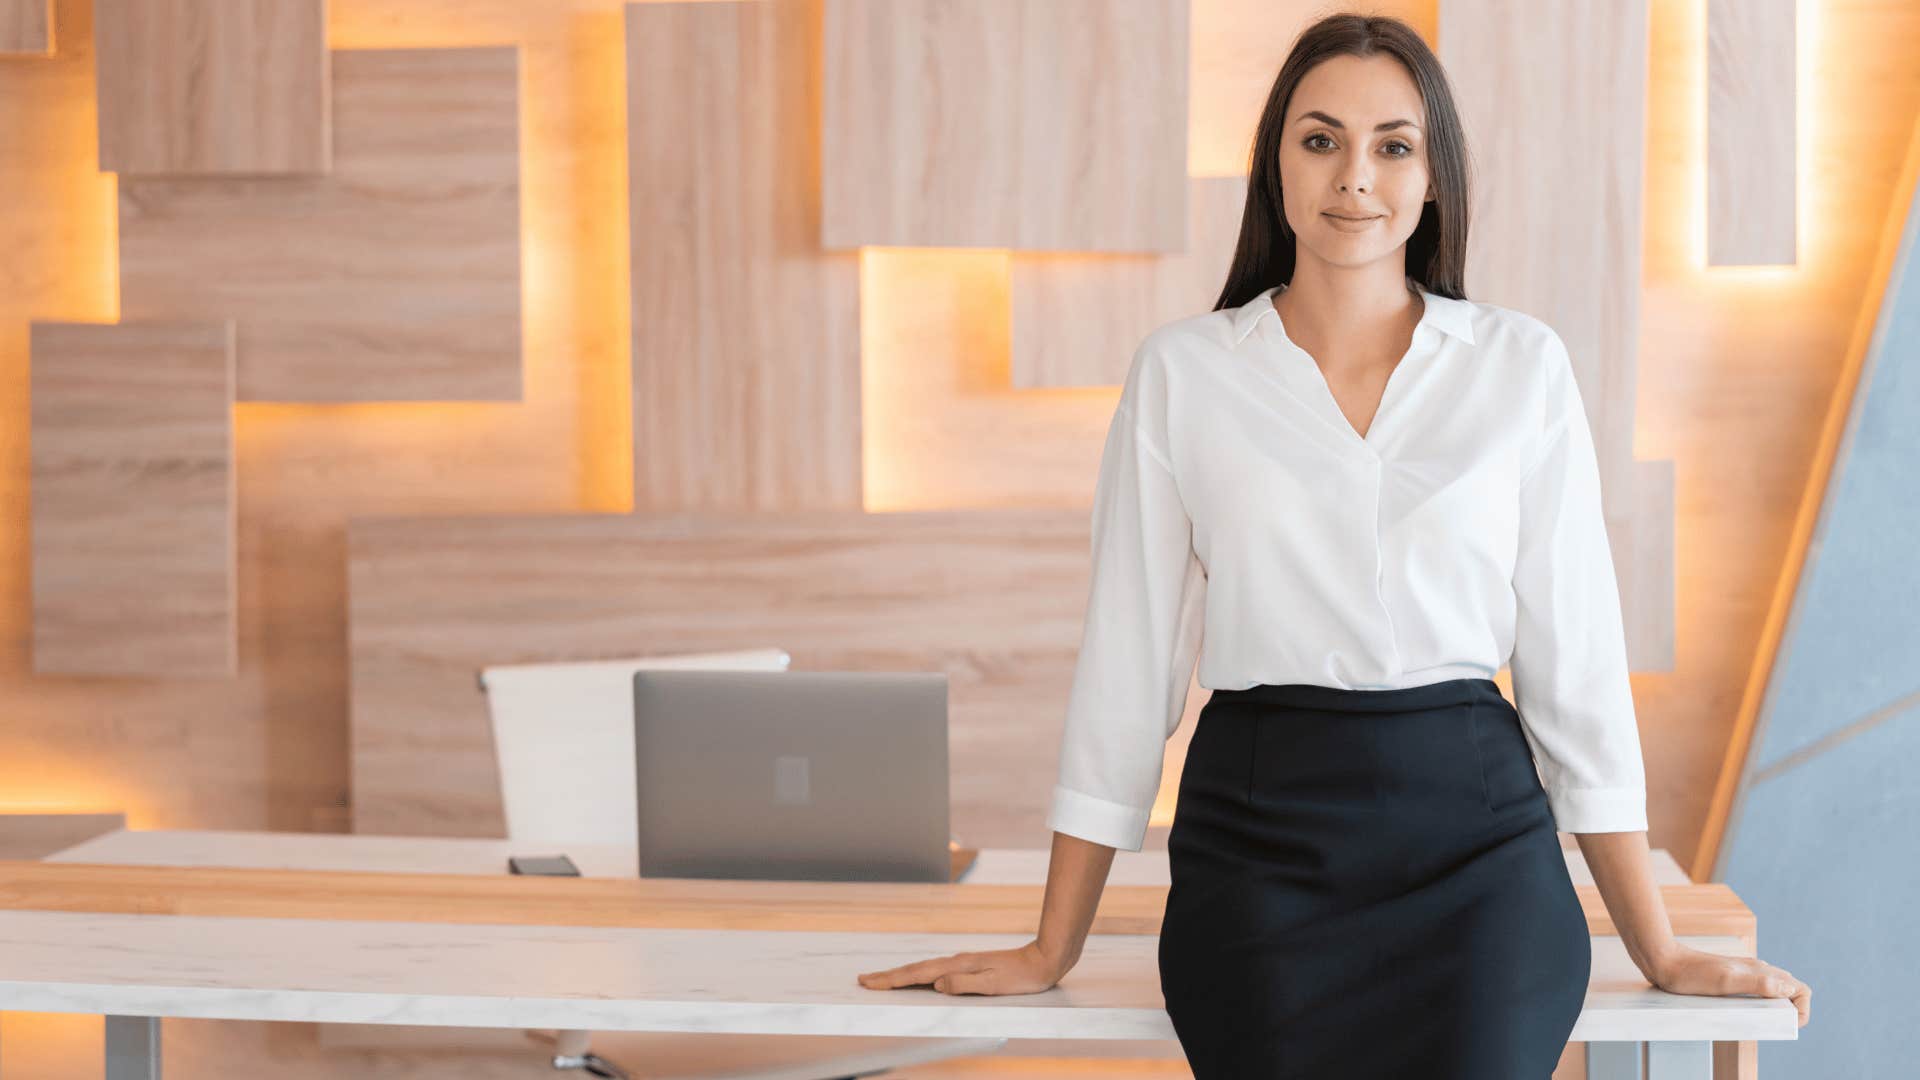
<point>1367,883</point>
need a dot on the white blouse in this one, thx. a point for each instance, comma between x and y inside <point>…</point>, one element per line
<point>1461,534</point>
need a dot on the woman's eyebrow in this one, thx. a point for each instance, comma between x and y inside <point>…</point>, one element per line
<point>1316,114</point>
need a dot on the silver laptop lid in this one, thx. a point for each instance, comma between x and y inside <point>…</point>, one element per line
<point>792,776</point>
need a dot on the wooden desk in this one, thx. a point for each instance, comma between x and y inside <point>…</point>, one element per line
<point>140,943</point>
<point>446,855</point>
<point>449,855</point>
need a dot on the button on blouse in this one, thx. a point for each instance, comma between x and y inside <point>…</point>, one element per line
<point>1240,521</point>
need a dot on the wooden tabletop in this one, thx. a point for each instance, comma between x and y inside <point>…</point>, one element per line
<point>1711,909</point>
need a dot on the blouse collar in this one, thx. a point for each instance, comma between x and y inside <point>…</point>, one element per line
<point>1451,316</point>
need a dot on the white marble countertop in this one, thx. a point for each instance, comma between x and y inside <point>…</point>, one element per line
<point>623,979</point>
<point>449,855</point>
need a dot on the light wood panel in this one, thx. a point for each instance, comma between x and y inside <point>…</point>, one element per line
<point>1739,373</point>
<point>746,335</point>
<point>394,278</point>
<point>213,87</point>
<point>133,499</point>
<point>26,26</point>
<point>660,903</point>
<point>1645,537</point>
<point>1751,106</point>
<point>1557,225</point>
<point>1076,319</point>
<point>1005,123</point>
<point>995,599</point>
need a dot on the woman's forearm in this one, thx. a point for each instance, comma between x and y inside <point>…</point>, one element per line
<point>1076,875</point>
<point>1622,869</point>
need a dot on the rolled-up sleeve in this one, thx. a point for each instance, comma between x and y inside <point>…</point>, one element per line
<point>1138,648</point>
<point>1569,664</point>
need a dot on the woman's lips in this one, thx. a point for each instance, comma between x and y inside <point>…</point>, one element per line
<point>1350,224</point>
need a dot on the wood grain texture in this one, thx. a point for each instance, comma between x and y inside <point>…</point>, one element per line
<point>1751,104</point>
<point>1004,123</point>
<point>1076,319</point>
<point>1738,375</point>
<point>995,599</point>
<point>1648,546</point>
<point>213,87</point>
<point>1557,223</point>
<point>133,499</point>
<point>396,277</point>
<point>746,335</point>
<point>660,903</point>
<point>26,26</point>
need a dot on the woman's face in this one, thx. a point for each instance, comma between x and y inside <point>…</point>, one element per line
<point>1354,146</point>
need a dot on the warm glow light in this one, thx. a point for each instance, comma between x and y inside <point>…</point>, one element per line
<point>574,423</point>
<point>52,805</point>
<point>942,427</point>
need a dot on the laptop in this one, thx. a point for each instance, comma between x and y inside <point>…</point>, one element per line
<point>792,775</point>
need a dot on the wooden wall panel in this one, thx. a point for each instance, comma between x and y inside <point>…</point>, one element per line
<point>1006,123</point>
<point>1736,395</point>
<point>213,87</point>
<point>1557,224</point>
<point>133,499</point>
<point>746,335</point>
<point>1751,105</point>
<point>1650,548</point>
<point>996,599</point>
<point>26,26</point>
<point>1076,319</point>
<point>396,277</point>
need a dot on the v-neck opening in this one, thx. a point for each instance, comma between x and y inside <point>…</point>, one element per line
<point>1328,401</point>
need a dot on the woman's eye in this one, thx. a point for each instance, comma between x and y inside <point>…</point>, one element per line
<point>1404,148</point>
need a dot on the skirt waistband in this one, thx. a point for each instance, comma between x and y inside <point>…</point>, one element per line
<point>1344,699</point>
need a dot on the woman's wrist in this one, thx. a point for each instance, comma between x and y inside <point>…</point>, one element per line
<point>1059,956</point>
<point>1661,960</point>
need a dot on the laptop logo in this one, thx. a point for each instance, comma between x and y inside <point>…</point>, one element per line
<point>790,786</point>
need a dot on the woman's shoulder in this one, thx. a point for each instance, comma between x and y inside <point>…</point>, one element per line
<point>1510,331</point>
<point>1208,330</point>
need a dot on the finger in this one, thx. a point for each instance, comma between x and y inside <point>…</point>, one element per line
<point>1777,983</point>
<point>904,975</point>
<point>914,974</point>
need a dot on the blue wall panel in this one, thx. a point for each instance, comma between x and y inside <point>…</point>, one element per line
<point>1825,850</point>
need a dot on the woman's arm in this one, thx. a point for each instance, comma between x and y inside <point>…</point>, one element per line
<point>1623,872</point>
<point>1076,876</point>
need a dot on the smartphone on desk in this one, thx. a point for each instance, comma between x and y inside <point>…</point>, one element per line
<point>543,865</point>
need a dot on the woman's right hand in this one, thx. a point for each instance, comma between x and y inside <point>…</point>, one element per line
<point>1025,970</point>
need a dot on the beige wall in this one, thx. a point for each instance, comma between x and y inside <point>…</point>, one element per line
<point>1736,368</point>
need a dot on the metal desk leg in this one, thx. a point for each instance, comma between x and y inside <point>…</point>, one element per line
<point>133,1048</point>
<point>1615,1060</point>
<point>1688,1060</point>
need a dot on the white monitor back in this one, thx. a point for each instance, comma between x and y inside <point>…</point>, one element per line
<point>563,737</point>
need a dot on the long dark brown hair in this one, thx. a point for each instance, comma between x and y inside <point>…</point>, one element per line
<point>1437,250</point>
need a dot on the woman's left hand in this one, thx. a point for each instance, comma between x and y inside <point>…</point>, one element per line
<point>1692,971</point>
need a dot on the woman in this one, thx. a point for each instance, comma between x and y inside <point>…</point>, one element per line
<point>1371,494</point>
